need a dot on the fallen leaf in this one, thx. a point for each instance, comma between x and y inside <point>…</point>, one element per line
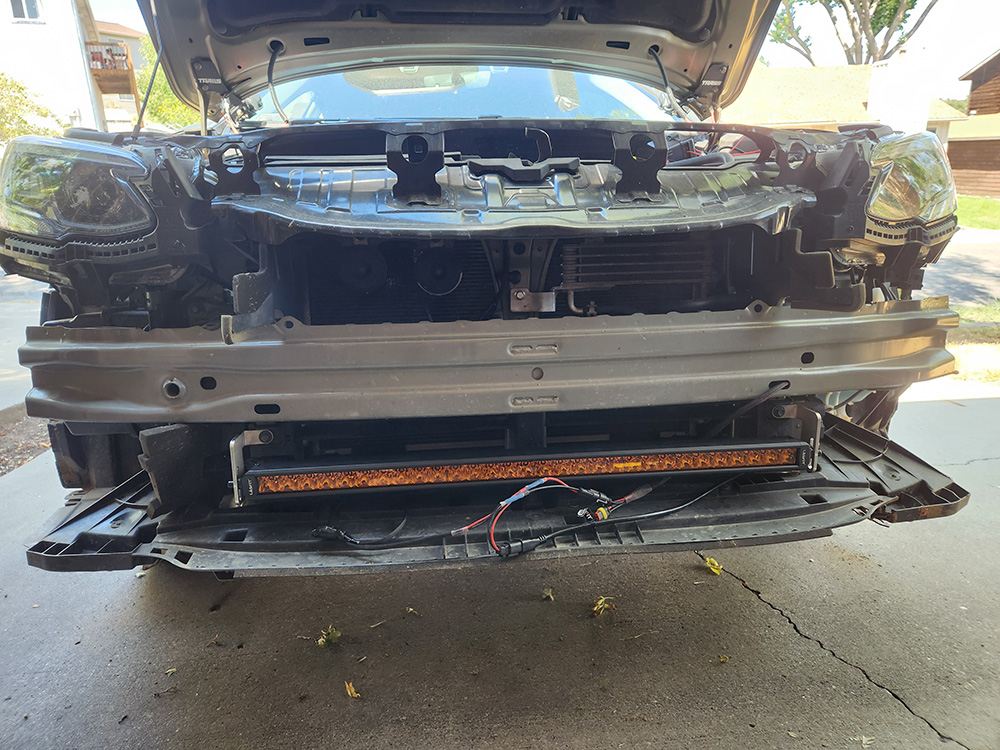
<point>328,637</point>
<point>713,565</point>
<point>380,622</point>
<point>351,692</point>
<point>412,611</point>
<point>602,605</point>
<point>172,670</point>
<point>547,595</point>
<point>792,734</point>
<point>723,658</point>
<point>140,573</point>
<point>864,741</point>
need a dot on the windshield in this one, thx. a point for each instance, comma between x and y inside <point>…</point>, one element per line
<point>427,92</point>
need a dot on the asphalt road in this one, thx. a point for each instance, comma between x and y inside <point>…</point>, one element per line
<point>876,637</point>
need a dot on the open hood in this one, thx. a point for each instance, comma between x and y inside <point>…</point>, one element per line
<point>214,48</point>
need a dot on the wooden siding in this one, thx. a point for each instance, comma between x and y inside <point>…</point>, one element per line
<point>977,182</point>
<point>976,165</point>
<point>985,98</point>
<point>985,95</point>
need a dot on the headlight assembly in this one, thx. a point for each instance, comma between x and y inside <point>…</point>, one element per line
<point>914,180</point>
<point>55,188</point>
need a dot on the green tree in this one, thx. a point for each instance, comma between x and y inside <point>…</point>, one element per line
<point>962,105</point>
<point>20,114</point>
<point>164,108</point>
<point>875,29</point>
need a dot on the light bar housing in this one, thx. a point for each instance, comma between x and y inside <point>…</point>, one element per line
<point>261,482</point>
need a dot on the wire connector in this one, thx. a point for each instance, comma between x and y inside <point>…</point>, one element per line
<point>512,549</point>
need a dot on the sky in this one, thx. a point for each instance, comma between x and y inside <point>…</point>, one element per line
<point>957,35</point>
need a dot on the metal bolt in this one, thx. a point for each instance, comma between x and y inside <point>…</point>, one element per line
<point>520,294</point>
<point>265,436</point>
<point>778,412</point>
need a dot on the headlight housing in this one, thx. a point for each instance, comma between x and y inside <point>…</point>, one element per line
<point>53,188</point>
<point>914,180</point>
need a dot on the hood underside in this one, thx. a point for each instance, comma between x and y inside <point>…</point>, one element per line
<point>214,48</point>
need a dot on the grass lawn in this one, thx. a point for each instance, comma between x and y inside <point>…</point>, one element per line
<point>976,343</point>
<point>988,313</point>
<point>978,213</point>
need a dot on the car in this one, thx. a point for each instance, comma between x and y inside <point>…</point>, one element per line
<point>445,284</point>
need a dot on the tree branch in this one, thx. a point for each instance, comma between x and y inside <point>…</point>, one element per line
<point>864,11</point>
<point>793,32</point>
<point>804,53</point>
<point>836,29</point>
<point>855,57</point>
<point>893,27</point>
<point>912,30</point>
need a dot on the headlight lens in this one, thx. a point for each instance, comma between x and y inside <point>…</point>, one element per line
<point>914,180</point>
<point>55,188</point>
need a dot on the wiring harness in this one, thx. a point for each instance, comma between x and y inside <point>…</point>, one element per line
<point>598,513</point>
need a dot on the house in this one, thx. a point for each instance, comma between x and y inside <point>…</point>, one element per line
<point>975,143</point>
<point>44,48</point>
<point>121,108</point>
<point>821,98</point>
<point>54,48</point>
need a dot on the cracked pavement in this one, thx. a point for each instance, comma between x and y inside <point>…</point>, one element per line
<point>884,636</point>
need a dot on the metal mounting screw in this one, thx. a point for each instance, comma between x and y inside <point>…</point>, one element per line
<point>520,294</point>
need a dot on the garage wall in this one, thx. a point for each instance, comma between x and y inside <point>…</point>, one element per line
<point>976,165</point>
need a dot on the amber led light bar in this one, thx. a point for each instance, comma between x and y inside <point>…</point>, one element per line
<point>359,478</point>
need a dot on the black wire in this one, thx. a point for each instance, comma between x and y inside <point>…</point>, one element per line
<point>538,541</point>
<point>846,400</point>
<point>332,533</point>
<point>276,49</point>
<point>674,104</point>
<point>779,386</point>
<point>152,78</point>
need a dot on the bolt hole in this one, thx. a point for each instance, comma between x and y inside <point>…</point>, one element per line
<point>414,148</point>
<point>641,147</point>
<point>232,159</point>
<point>758,308</point>
<point>808,358</point>
<point>173,388</point>
<point>519,248</point>
<point>289,324</point>
<point>537,374</point>
<point>208,383</point>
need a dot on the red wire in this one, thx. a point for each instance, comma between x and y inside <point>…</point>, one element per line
<point>474,524</point>
<point>493,526</point>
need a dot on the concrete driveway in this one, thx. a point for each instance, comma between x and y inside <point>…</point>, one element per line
<point>969,270</point>
<point>876,637</point>
<point>19,306</point>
